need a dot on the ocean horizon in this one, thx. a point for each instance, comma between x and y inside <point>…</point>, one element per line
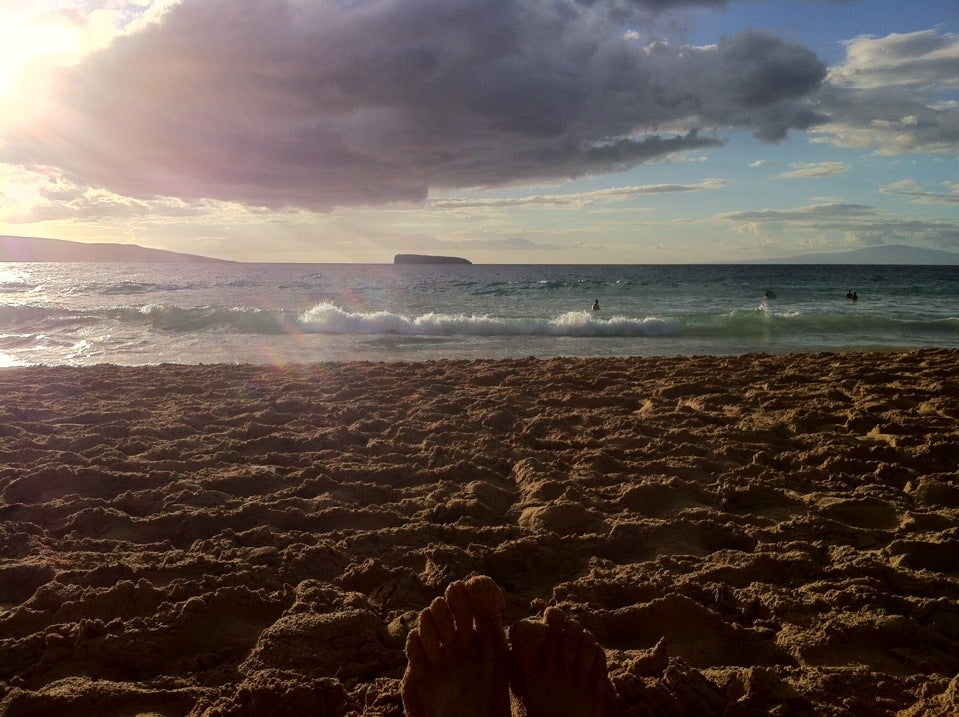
<point>143,314</point>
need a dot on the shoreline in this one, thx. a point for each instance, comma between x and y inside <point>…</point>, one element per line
<point>748,532</point>
<point>302,365</point>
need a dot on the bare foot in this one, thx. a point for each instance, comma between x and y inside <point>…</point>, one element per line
<point>458,660</point>
<point>559,670</point>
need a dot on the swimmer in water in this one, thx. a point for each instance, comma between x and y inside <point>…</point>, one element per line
<point>596,305</point>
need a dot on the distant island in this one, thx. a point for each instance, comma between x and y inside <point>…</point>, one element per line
<point>28,249</point>
<point>426,259</point>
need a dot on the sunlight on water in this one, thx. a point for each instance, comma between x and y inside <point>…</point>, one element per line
<point>6,360</point>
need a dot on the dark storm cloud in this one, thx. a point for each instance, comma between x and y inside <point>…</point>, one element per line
<point>320,104</point>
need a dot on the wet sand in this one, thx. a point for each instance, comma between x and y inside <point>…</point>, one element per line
<point>747,535</point>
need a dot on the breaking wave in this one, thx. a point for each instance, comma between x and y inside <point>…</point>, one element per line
<point>329,318</point>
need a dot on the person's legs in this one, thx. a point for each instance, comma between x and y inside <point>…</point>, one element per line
<point>458,661</point>
<point>559,670</point>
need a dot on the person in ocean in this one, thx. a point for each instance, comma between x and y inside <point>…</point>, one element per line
<point>596,305</point>
<point>460,662</point>
<point>849,293</point>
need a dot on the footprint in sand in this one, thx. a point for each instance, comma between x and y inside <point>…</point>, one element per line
<point>868,513</point>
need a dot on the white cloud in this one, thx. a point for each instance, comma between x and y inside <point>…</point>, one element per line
<point>928,60</point>
<point>579,199</point>
<point>815,170</point>
<point>912,188</point>
<point>888,94</point>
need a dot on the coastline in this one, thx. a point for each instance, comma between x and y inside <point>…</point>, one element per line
<point>749,532</point>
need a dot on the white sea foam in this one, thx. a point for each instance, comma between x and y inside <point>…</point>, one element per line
<point>329,318</point>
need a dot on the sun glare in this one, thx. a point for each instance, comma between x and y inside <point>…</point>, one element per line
<point>25,41</point>
<point>37,38</point>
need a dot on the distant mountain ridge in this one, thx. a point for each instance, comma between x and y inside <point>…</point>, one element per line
<point>27,249</point>
<point>892,254</point>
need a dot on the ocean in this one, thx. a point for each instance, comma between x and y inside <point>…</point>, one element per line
<point>140,314</point>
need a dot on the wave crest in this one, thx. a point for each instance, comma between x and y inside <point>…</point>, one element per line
<point>331,319</point>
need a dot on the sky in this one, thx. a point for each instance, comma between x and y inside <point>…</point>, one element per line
<point>503,131</point>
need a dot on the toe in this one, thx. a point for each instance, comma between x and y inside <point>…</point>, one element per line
<point>459,603</point>
<point>555,618</point>
<point>569,644</point>
<point>443,620</point>
<point>555,625</point>
<point>484,591</point>
<point>587,655</point>
<point>486,602</point>
<point>429,638</point>
<point>599,661</point>
<point>415,653</point>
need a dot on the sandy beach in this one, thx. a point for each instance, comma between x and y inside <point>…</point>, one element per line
<point>746,535</point>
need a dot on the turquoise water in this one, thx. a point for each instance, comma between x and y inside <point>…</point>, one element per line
<point>275,313</point>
